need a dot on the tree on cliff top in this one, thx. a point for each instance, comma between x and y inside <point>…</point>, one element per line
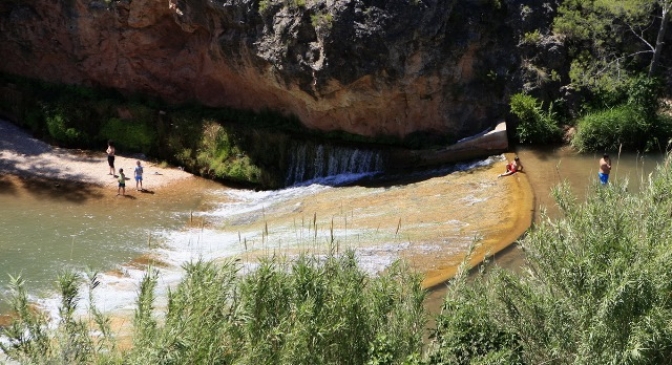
<point>609,39</point>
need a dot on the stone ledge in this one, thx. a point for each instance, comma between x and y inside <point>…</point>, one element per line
<point>478,146</point>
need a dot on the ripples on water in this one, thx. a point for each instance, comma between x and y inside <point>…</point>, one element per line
<point>423,217</point>
<point>427,218</point>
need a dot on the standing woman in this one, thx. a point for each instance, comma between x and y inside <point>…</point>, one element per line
<point>110,156</point>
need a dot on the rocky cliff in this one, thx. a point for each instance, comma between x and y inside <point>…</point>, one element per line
<point>368,67</point>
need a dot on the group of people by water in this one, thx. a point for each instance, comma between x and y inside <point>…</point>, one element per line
<point>137,172</point>
<point>603,173</point>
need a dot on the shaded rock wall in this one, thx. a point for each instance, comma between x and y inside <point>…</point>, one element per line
<point>371,67</point>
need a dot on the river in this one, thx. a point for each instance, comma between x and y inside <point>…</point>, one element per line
<point>429,219</point>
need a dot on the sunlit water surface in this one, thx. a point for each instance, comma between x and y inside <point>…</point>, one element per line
<point>428,219</point>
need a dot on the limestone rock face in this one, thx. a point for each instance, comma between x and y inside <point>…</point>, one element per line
<point>368,67</point>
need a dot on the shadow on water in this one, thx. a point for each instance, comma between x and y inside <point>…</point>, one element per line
<point>7,185</point>
<point>56,190</point>
<point>407,177</point>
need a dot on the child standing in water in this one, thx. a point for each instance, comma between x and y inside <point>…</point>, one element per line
<point>605,169</point>
<point>138,177</point>
<point>122,183</point>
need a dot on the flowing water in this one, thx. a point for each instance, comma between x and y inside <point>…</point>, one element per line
<point>430,219</point>
<point>46,228</point>
<point>547,167</point>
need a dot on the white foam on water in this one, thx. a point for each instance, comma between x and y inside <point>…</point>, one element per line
<point>470,200</point>
<point>247,201</point>
<point>117,293</point>
<point>337,180</point>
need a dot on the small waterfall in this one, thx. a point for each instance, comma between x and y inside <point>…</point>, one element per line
<point>316,161</point>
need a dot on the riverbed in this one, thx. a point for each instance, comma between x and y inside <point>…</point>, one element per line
<point>429,219</point>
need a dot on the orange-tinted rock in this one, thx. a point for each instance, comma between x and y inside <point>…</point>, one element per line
<point>371,69</point>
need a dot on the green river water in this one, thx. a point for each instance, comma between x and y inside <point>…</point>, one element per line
<point>424,220</point>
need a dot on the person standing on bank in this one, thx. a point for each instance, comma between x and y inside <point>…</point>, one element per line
<point>138,177</point>
<point>122,183</point>
<point>110,156</point>
<point>605,169</point>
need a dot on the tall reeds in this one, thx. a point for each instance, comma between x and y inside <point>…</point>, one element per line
<point>597,289</point>
<point>308,310</point>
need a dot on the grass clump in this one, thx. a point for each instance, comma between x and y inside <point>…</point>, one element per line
<point>307,311</point>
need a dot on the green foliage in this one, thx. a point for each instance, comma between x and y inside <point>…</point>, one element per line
<point>532,37</point>
<point>643,94</point>
<point>264,5</point>
<point>534,124</point>
<point>496,4</point>
<point>59,129</point>
<point>610,129</point>
<point>466,331</point>
<point>603,38</point>
<point>322,20</point>
<point>634,123</point>
<point>307,311</point>
<point>219,154</point>
<point>31,341</point>
<point>129,135</point>
<point>596,289</point>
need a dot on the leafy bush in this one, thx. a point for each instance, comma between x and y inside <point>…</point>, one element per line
<point>634,124</point>
<point>129,134</point>
<point>534,124</point>
<point>609,129</point>
<point>59,128</point>
<point>466,332</point>
<point>596,289</point>
<point>307,311</point>
<point>533,37</point>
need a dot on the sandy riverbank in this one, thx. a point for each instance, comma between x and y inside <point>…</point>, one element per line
<point>32,164</point>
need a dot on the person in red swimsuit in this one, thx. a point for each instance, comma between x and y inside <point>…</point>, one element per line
<point>512,167</point>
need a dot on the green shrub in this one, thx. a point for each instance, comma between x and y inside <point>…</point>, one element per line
<point>624,114</point>
<point>609,129</point>
<point>466,332</point>
<point>534,124</point>
<point>129,134</point>
<point>307,311</point>
<point>532,38</point>
<point>596,289</point>
<point>59,129</point>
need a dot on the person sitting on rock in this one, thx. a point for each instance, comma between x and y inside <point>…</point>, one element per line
<point>512,167</point>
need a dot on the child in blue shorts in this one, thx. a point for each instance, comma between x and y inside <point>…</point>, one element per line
<point>138,177</point>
